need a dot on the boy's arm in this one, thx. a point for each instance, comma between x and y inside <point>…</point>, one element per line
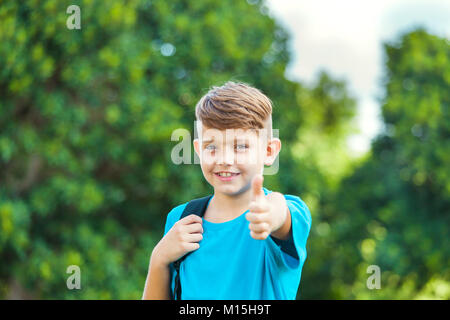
<point>183,237</point>
<point>158,279</point>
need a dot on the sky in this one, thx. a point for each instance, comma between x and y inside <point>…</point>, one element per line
<point>345,39</point>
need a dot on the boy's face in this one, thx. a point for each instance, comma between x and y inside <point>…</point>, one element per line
<point>230,158</point>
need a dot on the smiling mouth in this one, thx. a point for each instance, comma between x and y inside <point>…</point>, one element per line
<point>223,175</point>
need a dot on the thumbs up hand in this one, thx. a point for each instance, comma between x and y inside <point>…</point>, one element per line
<point>267,214</point>
<point>260,216</point>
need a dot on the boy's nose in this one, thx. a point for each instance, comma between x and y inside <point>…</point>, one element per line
<point>226,157</point>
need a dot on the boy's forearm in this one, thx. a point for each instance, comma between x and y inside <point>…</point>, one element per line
<point>157,283</point>
<point>279,205</point>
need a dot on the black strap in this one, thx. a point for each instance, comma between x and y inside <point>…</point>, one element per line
<point>197,207</point>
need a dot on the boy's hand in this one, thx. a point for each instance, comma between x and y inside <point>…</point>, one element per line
<point>182,238</point>
<point>266,213</point>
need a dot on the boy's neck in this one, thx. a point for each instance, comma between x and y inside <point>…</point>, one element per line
<point>227,207</point>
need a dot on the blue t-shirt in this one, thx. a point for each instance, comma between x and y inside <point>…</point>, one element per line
<point>231,265</point>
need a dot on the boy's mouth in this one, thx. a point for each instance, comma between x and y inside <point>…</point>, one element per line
<point>226,175</point>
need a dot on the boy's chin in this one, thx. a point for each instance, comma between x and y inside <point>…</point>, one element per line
<point>232,191</point>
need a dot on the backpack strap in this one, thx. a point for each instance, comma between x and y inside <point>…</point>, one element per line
<point>197,207</point>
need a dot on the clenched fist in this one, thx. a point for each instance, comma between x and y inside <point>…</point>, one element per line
<point>183,237</point>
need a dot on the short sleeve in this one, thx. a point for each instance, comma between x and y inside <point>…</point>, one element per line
<point>291,253</point>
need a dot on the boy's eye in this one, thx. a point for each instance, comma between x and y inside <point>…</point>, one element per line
<point>210,147</point>
<point>241,147</point>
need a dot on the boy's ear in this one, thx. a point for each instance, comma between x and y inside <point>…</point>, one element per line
<point>272,151</point>
<point>197,146</point>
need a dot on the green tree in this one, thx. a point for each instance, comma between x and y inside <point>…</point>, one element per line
<point>394,210</point>
<point>86,118</point>
<point>320,158</point>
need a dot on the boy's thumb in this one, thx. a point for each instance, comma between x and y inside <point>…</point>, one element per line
<point>257,184</point>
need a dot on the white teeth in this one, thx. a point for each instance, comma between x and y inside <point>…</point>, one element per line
<point>225,174</point>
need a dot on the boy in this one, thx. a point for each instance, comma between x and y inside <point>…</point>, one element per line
<point>251,242</point>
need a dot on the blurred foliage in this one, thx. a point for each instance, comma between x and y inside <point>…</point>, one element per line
<point>86,118</point>
<point>394,209</point>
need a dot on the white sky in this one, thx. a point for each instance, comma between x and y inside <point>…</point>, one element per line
<point>345,38</point>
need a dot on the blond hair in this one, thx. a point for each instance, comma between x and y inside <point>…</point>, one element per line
<point>235,105</point>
